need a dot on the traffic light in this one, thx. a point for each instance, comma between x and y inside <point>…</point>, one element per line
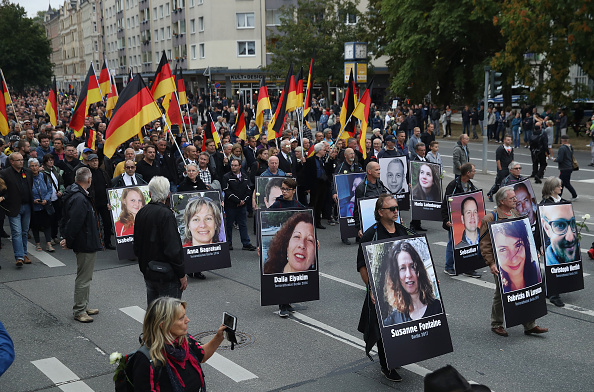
<point>495,83</point>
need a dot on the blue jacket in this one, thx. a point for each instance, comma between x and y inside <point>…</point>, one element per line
<point>42,190</point>
<point>6,350</point>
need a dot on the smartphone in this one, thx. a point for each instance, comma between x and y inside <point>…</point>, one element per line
<point>229,321</point>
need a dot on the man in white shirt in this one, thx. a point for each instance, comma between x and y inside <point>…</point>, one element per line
<point>129,178</point>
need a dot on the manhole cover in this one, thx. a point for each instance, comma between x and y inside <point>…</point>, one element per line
<point>243,339</point>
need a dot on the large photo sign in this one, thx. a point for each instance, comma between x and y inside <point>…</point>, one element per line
<point>125,204</point>
<point>267,190</point>
<point>526,201</point>
<point>425,180</point>
<point>202,230</point>
<point>345,185</point>
<point>288,257</point>
<point>466,213</point>
<point>408,302</point>
<point>563,260</point>
<point>394,174</point>
<point>367,212</point>
<point>520,281</point>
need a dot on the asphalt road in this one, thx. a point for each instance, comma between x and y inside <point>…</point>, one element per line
<point>316,349</point>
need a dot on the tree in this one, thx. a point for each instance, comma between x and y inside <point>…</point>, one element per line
<point>439,47</point>
<point>543,39</point>
<point>24,49</point>
<point>315,25</point>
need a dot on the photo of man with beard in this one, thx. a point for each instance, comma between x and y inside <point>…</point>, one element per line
<point>559,226</point>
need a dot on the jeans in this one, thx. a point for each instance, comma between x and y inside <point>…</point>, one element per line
<point>516,137</point>
<point>466,127</point>
<point>19,227</point>
<point>85,263</point>
<point>156,289</point>
<point>474,126</point>
<point>237,214</point>
<point>527,135</point>
<point>436,127</point>
<point>449,264</point>
<point>565,177</point>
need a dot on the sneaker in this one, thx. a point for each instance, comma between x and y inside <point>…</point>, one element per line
<point>331,222</point>
<point>557,301</point>
<point>290,308</point>
<point>346,241</point>
<point>391,374</point>
<point>249,247</point>
<point>92,312</point>
<point>450,271</point>
<point>574,198</point>
<point>283,311</point>
<point>472,274</point>
<point>83,318</point>
<point>235,226</point>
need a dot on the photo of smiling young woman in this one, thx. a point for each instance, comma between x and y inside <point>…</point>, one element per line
<point>125,204</point>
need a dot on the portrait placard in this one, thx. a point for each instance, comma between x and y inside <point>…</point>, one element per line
<point>201,228</point>
<point>345,185</point>
<point>522,293</point>
<point>563,259</point>
<point>367,212</point>
<point>466,213</point>
<point>526,201</point>
<point>394,174</point>
<point>425,194</point>
<point>288,257</point>
<point>267,190</point>
<point>125,204</point>
<point>408,301</point>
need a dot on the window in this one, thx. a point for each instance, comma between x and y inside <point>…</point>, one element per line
<point>182,26</point>
<point>351,19</point>
<point>201,50</point>
<point>169,54</point>
<point>192,26</point>
<point>273,17</point>
<point>200,2</point>
<point>154,13</point>
<point>245,20</point>
<point>156,35</point>
<point>162,34</point>
<point>201,23</point>
<point>246,48</point>
<point>160,11</point>
<point>192,3</point>
<point>193,52</point>
<point>168,32</point>
<point>128,23</point>
<point>167,11</point>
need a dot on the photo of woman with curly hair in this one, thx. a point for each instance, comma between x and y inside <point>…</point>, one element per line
<point>132,201</point>
<point>408,290</point>
<point>426,181</point>
<point>293,247</point>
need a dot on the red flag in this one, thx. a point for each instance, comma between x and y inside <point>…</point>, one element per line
<point>164,82</point>
<point>172,109</point>
<point>104,79</point>
<point>51,107</point>
<point>89,94</point>
<point>240,128</point>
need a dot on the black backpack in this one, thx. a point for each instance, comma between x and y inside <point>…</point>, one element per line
<point>124,378</point>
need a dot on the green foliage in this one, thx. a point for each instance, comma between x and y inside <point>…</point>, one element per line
<point>25,50</point>
<point>439,47</point>
<point>319,26</point>
<point>542,40</point>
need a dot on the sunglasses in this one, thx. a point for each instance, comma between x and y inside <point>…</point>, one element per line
<point>130,167</point>
<point>392,209</point>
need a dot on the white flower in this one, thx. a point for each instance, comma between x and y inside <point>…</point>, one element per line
<point>114,357</point>
<point>257,193</point>
<point>450,200</point>
<point>180,196</point>
<point>585,217</point>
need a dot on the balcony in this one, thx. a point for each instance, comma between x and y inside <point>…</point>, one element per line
<point>121,33</point>
<point>178,14</point>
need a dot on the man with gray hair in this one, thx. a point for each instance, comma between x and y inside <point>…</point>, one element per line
<point>157,241</point>
<point>81,234</point>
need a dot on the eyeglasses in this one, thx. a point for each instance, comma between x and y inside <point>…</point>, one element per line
<point>287,189</point>
<point>392,209</point>
<point>130,167</point>
<point>560,226</point>
<point>517,168</point>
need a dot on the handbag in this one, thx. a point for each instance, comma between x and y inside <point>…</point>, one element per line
<point>574,163</point>
<point>49,208</point>
<point>159,271</point>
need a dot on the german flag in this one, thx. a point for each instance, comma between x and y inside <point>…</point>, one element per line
<point>307,104</point>
<point>292,97</point>
<point>51,107</point>
<point>112,99</point>
<point>104,79</point>
<point>311,151</point>
<point>210,132</point>
<point>171,107</point>
<point>299,88</point>
<point>348,105</point>
<point>91,139</point>
<point>89,94</point>
<point>181,87</point>
<point>4,127</point>
<point>135,108</point>
<point>7,99</point>
<point>240,128</point>
<point>263,104</point>
<point>164,81</point>
<point>362,113</point>
<point>276,124</point>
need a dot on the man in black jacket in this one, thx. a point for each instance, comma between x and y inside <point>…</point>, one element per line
<point>68,164</point>
<point>504,155</point>
<point>129,178</point>
<point>17,204</point>
<point>166,162</point>
<point>539,149</point>
<point>156,239</point>
<point>460,184</point>
<point>81,234</point>
<point>101,183</point>
<point>238,190</point>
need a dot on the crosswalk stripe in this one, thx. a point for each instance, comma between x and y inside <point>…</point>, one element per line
<point>355,285</point>
<point>216,361</point>
<point>45,257</point>
<point>62,376</point>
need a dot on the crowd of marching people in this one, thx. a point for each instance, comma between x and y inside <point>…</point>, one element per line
<point>54,183</point>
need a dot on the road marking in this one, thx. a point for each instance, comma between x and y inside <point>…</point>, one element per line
<point>45,257</point>
<point>523,163</point>
<point>59,374</point>
<point>217,361</point>
<point>355,285</point>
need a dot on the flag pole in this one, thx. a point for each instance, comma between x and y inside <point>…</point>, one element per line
<point>210,115</point>
<point>171,133</point>
<point>181,114</point>
<point>346,123</point>
<point>11,101</point>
